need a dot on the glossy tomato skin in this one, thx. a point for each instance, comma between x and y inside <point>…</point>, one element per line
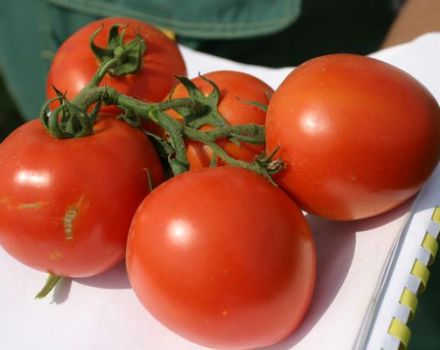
<point>66,205</point>
<point>74,63</point>
<point>358,136</point>
<point>237,89</point>
<point>223,258</point>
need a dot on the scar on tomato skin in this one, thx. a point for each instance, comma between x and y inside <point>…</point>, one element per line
<point>35,205</point>
<point>69,218</point>
<point>55,255</point>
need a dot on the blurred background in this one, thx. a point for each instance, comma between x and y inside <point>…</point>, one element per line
<point>271,33</point>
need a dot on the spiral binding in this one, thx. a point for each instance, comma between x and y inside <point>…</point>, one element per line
<point>419,270</point>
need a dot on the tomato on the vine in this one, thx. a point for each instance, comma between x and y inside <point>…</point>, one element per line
<point>75,63</point>
<point>66,204</point>
<point>223,258</point>
<point>238,94</point>
<point>358,136</point>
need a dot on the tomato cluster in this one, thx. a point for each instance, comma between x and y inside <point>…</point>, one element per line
<point>220,254</point>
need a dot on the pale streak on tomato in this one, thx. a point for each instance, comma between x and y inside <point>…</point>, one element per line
<point>55,255</point>
<point>69,217</point>
<point>35,205</point>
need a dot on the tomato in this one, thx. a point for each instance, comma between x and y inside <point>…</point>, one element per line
<point>223,258</point>
<point>237,89</point>
<point>66,205</point>
<point>74,63</point>
<point>358,136</point>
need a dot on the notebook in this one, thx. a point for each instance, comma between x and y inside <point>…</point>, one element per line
<point>369,271</point>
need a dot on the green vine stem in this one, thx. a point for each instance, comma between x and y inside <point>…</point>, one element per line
<point>102,71</point>
<point>75,118</point>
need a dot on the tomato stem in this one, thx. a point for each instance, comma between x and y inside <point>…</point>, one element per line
<point>179,163</point>
<point>249,133</point>
<point>178,131</point>
<point>51,281</point>
<point>103,69</point>
<point>201,113</point>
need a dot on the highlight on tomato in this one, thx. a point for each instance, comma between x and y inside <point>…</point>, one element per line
<point>223,258</point>
<point>66,204</point>
<point>242,100</point>
<point>75,63</point>
<point>358,136</point>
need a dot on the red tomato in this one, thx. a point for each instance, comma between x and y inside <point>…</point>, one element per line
<point>74,63</point>
<point>358,136</point>
<point>66,205</point>
<point>237,89</point>
<point>223,258</point>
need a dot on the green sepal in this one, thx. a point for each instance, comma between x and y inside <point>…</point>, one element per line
<point>100,52</point>
<point>214,96</point>
<point>51,281</point>
<point>61,97</point>
<point>259,105</point>
<point>76,122</point>
<point>115,39</point>
<point>68,120</point>
<point>129,56</point>
<point>45,112</point>
<point>193,90</point>
<point>210,114</point>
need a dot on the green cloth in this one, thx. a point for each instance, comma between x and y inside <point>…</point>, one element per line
<point>32,30</point>
<point>197,18</point>
<point>272,33</point>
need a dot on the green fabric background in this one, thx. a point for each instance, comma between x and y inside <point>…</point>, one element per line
<point>323,27</point>
<point>247,31</point>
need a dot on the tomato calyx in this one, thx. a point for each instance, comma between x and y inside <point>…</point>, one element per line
<point>68,120</point>
<point>123,58</point>
<point>209,115</point>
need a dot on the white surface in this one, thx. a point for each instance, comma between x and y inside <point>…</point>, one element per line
<point>103,313</point>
